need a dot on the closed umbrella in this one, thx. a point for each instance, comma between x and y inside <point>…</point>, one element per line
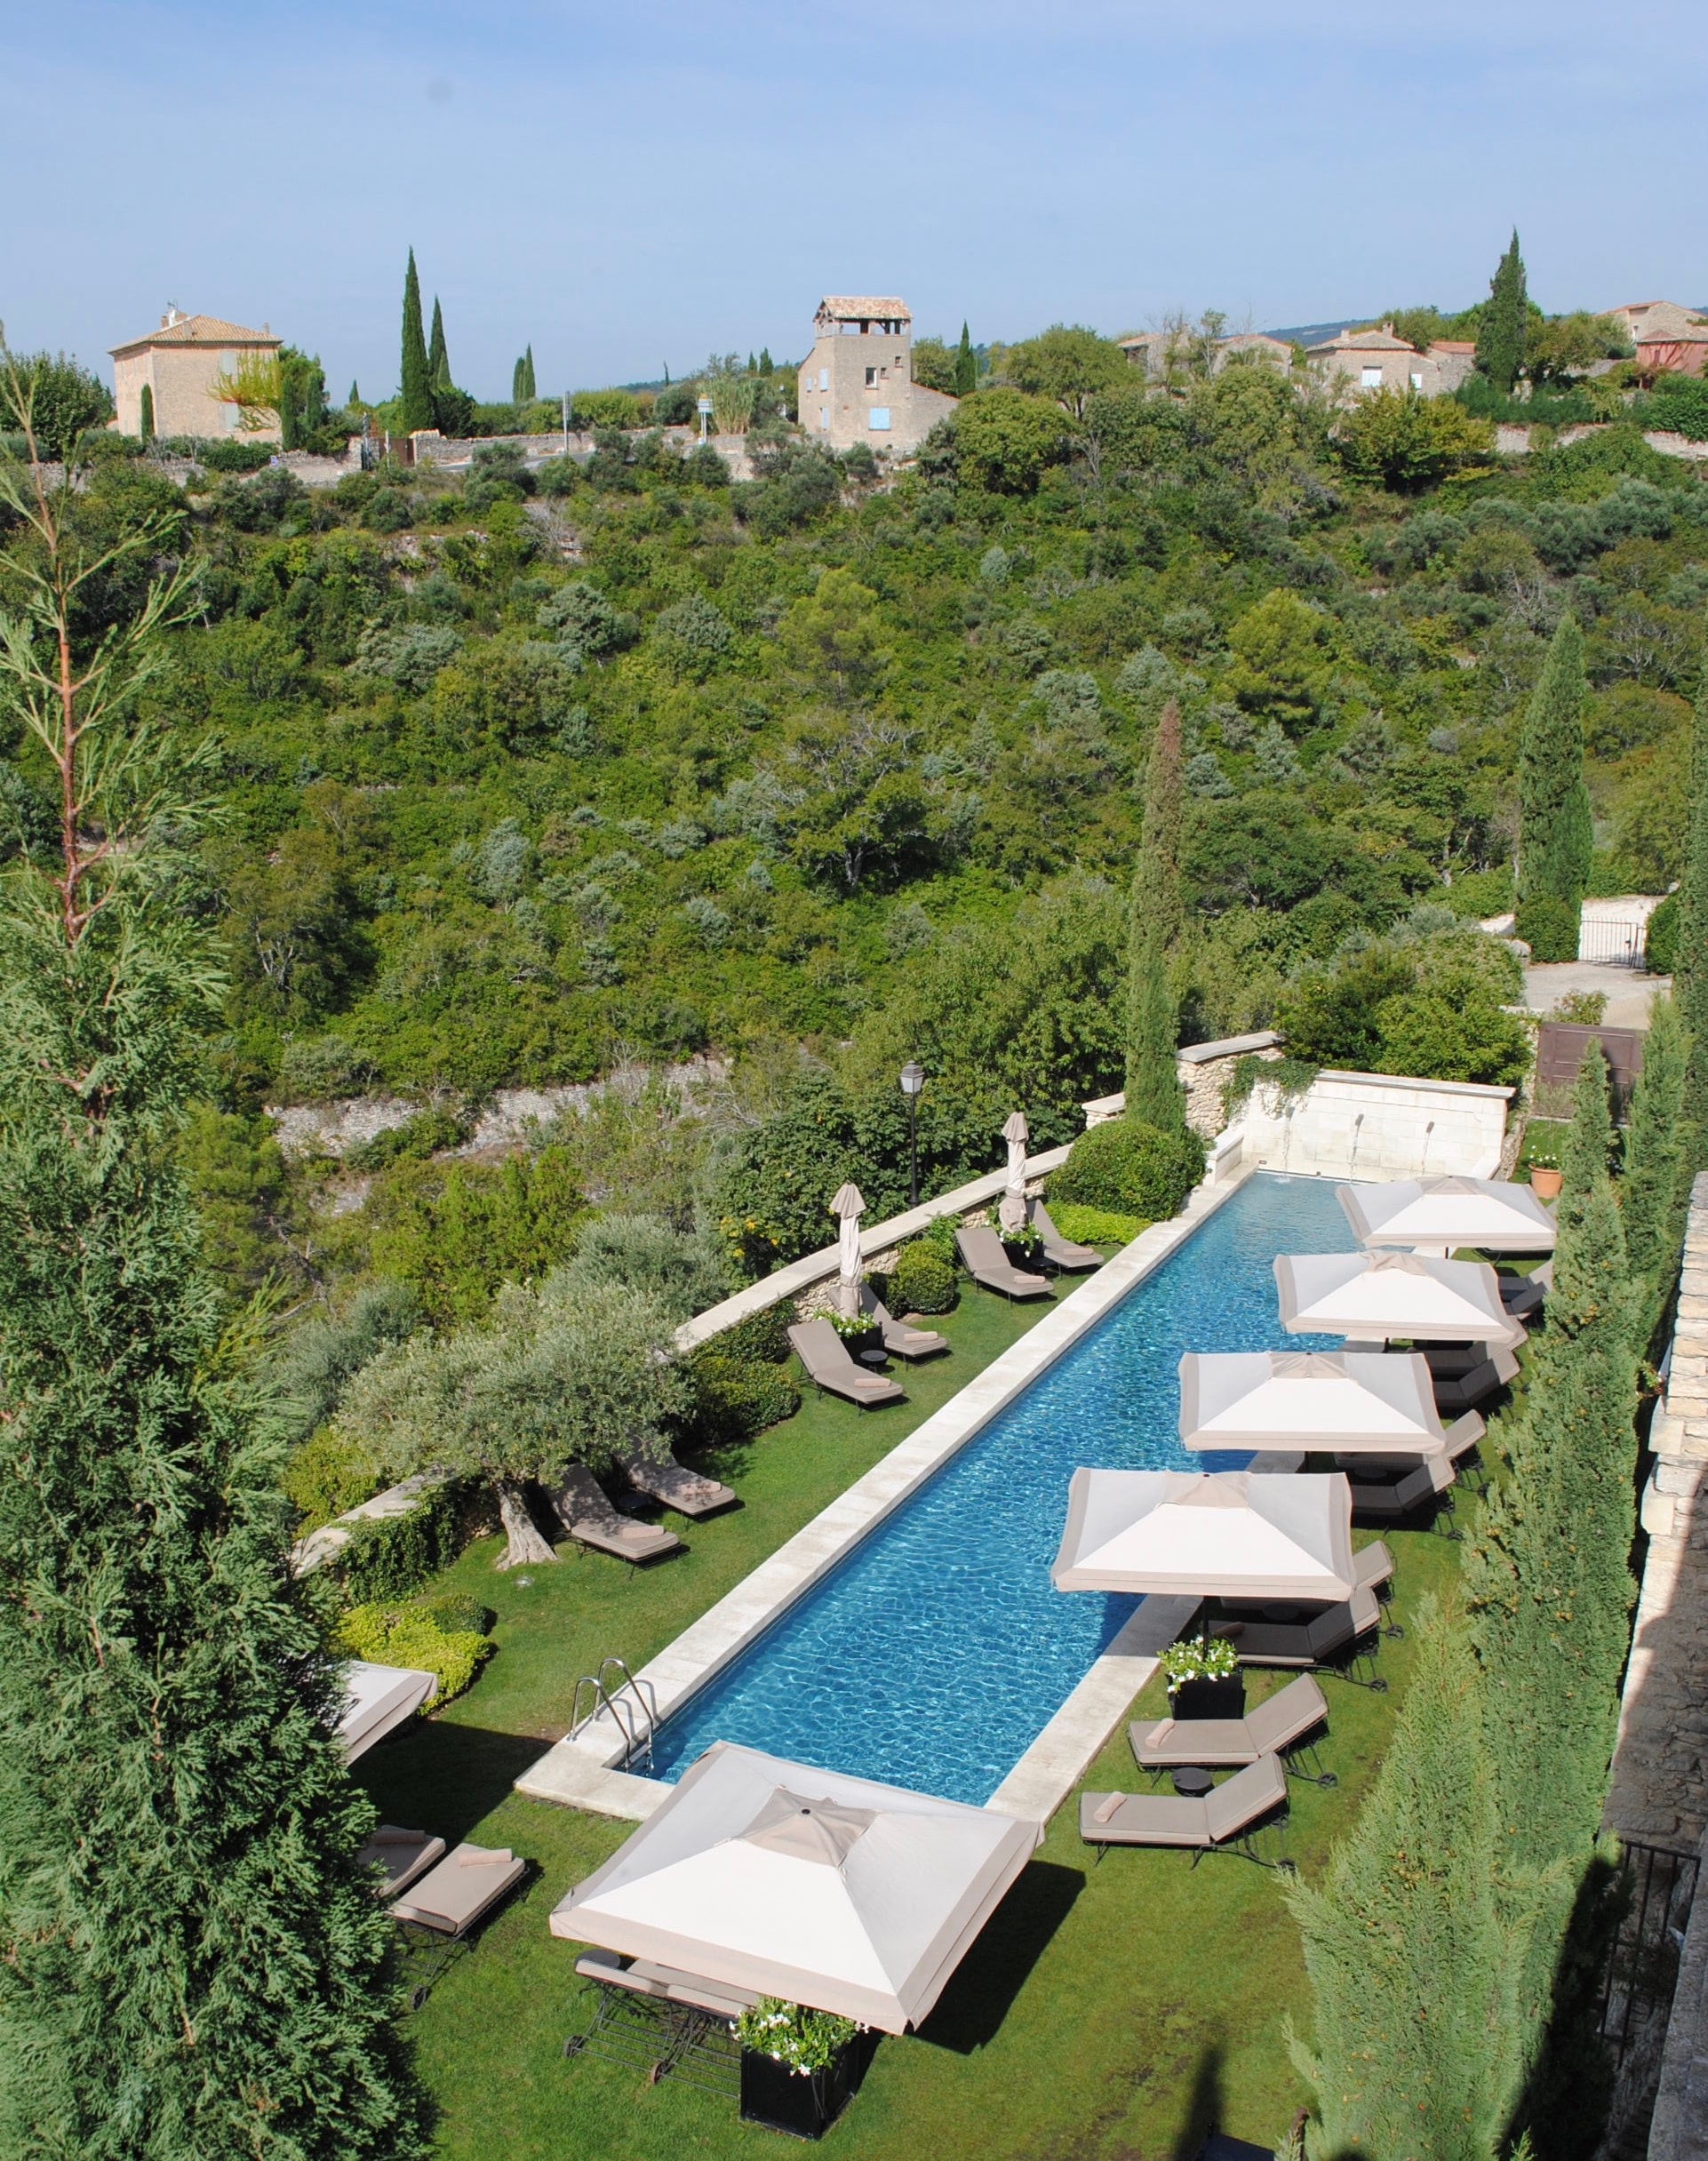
<point>1201,1534</point>
<point>1444,1214</point>
<point>1382,1296</point>
<point>1351,1401</point>
<point>848,1206</point>
<point>779,1879</point>
<point>1013,1210</point>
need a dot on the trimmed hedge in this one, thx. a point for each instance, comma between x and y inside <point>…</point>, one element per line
<point>1661,947</point>
<point>921,1281</point>
<point>411,1636</point>
<point>389,1559</point>
<point>762,1337</point>
<point>1096,1226</point>
<point>736,1398</point>
<point>1129,1169</point>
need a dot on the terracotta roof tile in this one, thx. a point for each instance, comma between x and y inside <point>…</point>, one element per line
<point>197,330</point>
<point>864,307</point>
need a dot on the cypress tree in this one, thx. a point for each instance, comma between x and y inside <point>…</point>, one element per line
<point>529,390</point>
<point>1414,1940</point>
<point>1690,970</point>
<point>416,395</point>
<point>438,356</point>
<point>1554,835</point>
<point>354,397</point>
<point>966,366</point>
<point>1651,1190</point>
<point>195,1968</point>
<point>766,366</point>
<point>1155,1097</point>
<point>1506,322</point>
<point>146,418</point>
<point>515,384</point>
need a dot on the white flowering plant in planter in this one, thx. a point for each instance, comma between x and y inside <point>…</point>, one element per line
<point>795,2035</point>
<point>1199,1662</point>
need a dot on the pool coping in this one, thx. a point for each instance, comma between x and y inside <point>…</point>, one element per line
<point>582,1773</point>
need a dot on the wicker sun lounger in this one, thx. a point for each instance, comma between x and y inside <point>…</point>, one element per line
<point>437,1913</point>
<point>1275,1728</point>
<point>1320,1642</point>
<point>824,1356</point>
<point>1522,1296</point>
<point>403,1854</point>
<point>1391,1502</point>
<point>1058,1251</point>
<point>1464,1391</point>
<point>1227,1815</point>
<point>981,1251</point>
<point>591,1520</point>
<point>898,1339</point>
<point>664,1479</point>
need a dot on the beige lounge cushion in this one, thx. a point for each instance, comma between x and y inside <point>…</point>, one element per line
<point>453,1896</point>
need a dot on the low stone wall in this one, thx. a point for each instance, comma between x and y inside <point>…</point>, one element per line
<point>1376,1126</point>
<point>1204,1071</point>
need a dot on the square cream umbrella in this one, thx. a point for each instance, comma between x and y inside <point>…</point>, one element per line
<point>1378,1296</point>
<point>377,1700</point>
<point>1204,1534</point>
<point>1444,1214</point>
<point>1349,1401</point>
<point>779,1879</point>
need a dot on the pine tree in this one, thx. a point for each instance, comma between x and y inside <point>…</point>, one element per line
<point>438,356</point>
<point>966,366</point>
<point>1651,1190</point>
<point>1506,322</point>
<point>1690,970</point>
<point>146,416</point>
<point>416,395</point>
<point>1413,1941</point>
<point>195,1968</point>
<point>1554,835</point>
<point>1155,1097</point>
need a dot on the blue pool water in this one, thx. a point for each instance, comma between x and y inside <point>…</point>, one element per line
<point>936,1653</point>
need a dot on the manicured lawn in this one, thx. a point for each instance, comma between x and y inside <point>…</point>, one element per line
<point>1108,2010</point>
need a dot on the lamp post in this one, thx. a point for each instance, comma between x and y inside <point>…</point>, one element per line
<point>705,410</point>
<point>913,1079</point>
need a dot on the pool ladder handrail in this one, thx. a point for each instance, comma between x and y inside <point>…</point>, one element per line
<point>633,1707</point>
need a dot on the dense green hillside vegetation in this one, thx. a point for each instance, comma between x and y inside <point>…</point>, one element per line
<point>527,774</point>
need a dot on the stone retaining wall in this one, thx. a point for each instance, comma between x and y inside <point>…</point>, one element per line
<point>1376,1126</point>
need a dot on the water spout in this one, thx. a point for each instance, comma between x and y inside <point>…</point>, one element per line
<point>1422,1164</point>
<point>1352,1167</point>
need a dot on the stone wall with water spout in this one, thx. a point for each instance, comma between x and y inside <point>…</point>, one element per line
<point>1374,1125</point>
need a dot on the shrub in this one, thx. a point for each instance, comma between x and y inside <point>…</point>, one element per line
<point>413,1142</point>
<point>1662,948</point>
<point>457,1613</point>
<point>735,1398</point>
<point>1096,1226</point>
<point>1548,926</point>
<point>1130,1169</point>
<point>604,409</point>
<point>329,1474</point>
<point>762,1338</point>
<point>691,637</point>
<point>922,1280</point>
<point>410,1636</point>
<point>389,1559</point>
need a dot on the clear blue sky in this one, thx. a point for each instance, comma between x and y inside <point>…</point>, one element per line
<point>628,187</point>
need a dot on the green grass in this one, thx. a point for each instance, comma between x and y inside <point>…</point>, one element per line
<point>1108,2010</point>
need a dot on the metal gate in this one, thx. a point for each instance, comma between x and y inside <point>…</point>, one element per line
<point>1642,1973</point>
<point>1615,944</point>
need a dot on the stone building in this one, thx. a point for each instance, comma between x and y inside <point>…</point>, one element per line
<point>180,362</point>
<point>856,384</point>
<point>1669,339</point>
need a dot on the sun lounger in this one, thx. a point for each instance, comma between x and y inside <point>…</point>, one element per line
<point>898,1339</point>
<point>1372,1565</point>
<point>1317,1643</point>
<point>1392,1502</point>
<point>403,1854</point>
<point>1464,1391</point>
<point>1522,1297</point>
<point>981,1251</point>
<point>438,1912</point>
<point>1275,1728</point>
<point>664,1984</point>
<point>664,1479</point>
<point>824,1356</point>
<point>1227,1815</point>
<point>1058,1251</point>
<point>591,1520</point>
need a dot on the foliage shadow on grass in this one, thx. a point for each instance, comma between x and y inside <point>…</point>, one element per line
<point>459,1773</point>
<point>970,2010</point>
<point>1203,2114</point>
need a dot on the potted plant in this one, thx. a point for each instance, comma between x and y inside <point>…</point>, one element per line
<point>800,2067</point>
<point>1204,1680</point>
<point>1546,1177</point>
<point>1024,1246</point>
<point>858,1333</point>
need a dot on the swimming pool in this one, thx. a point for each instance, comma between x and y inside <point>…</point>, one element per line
<point>936,1653</point>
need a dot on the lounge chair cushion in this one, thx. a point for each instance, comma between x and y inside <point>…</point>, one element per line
<point>1061,1252</point>
<point>898,1339</point>
<point>403,1854</point>
<point>591,1520</point>
<point>663,1478</point>
<point>1164,1819</point>
<point>982,1251</point>
<point>825,1357</point>
<point>454,1895</point>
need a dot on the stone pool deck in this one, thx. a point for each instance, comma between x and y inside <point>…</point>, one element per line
<point>581,1773</point>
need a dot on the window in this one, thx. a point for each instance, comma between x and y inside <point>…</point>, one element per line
<point>877,417</point>
<point>871,377</point>
<point>1416,379</point>
<point>823,379</point>
<point>824,417</point>
<point>1370,380</point>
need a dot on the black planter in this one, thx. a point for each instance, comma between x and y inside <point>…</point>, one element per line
<point>1210,1699</point>
<point>803,2104</point>
<point>868,1339</point>
<point>1022,1256</point>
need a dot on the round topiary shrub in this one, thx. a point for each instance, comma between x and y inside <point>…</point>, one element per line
<point>1549,927</point>
<point>1130,1169</point>
<point>735,1398</point>
<point>1661,947</point>
<point>921,1281</point>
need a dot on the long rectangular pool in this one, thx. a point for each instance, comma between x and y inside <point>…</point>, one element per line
<point>935,1653</point>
